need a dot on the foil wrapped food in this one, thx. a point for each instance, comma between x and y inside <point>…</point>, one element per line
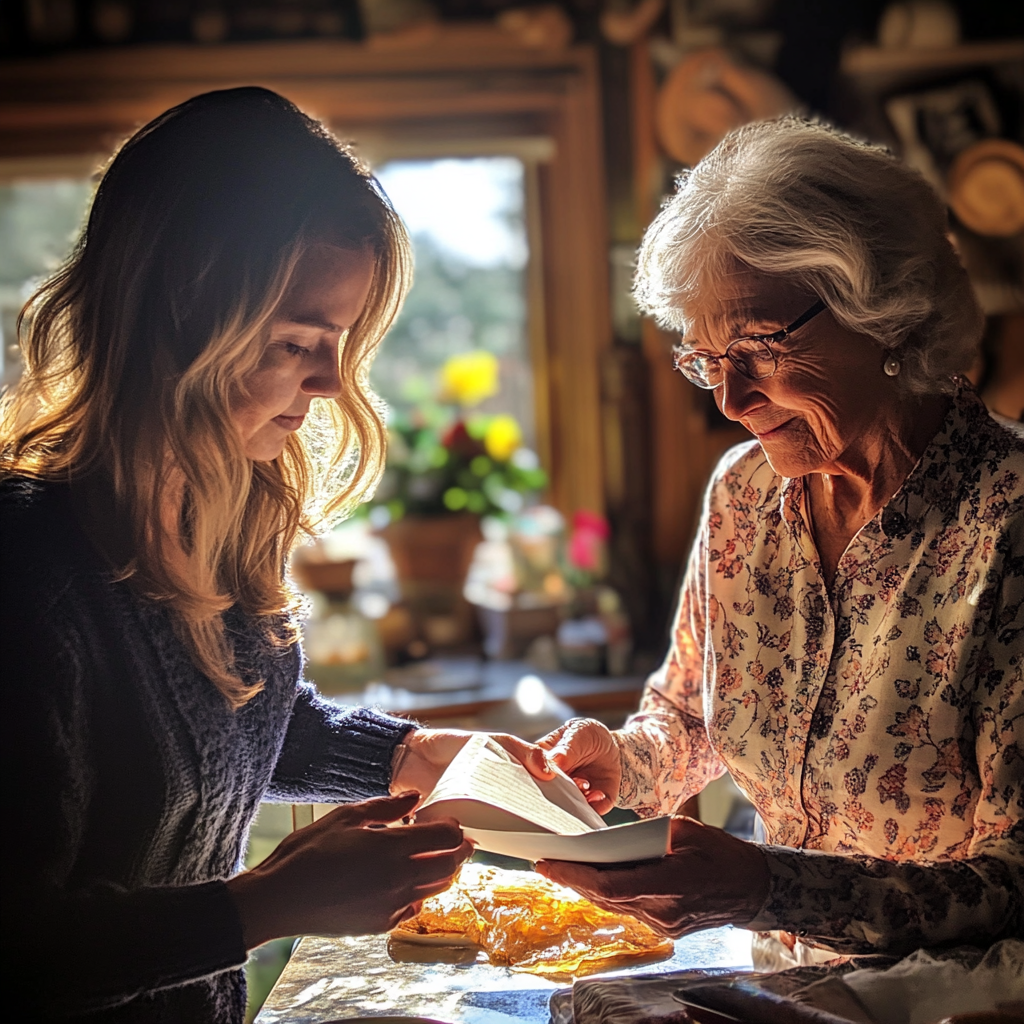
<point>523,921</point>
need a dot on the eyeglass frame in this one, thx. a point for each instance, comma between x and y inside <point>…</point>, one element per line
<point>767,340</point>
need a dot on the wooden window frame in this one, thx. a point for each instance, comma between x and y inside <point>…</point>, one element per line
<point>476,92</point>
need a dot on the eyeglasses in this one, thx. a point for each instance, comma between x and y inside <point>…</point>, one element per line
<point>752,356</point>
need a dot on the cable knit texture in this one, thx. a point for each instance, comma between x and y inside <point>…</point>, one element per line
<point>130,784</point>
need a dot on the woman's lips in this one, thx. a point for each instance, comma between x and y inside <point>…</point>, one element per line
<point>289,422</point>
<point>763,435</point>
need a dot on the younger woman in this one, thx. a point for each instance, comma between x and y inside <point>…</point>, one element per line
<point>195,401</point>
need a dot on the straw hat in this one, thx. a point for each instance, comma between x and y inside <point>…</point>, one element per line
<point>707,95</point>
<point>986,187</point>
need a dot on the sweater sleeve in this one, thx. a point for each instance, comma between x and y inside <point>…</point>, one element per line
<point>69,945</point>
<point>333,754</point>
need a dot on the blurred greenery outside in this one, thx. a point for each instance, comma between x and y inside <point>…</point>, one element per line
<point>39,222</point>
<point>455,307</point>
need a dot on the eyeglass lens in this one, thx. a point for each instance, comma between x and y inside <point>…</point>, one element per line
<point>753,358</point>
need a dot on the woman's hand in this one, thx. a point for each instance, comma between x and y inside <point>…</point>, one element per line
<point>343,876</point>
<point>423,755</point>
<point>587,752</point>
<point>710,878</point>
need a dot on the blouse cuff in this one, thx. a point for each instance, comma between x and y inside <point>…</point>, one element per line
<point>637,767</point>
<point>782,876</point>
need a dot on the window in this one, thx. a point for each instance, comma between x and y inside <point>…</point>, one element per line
<point>467,220</point>
<point>39,221</point>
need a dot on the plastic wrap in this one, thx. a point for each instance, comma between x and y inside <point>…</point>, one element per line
<point>523,921</point>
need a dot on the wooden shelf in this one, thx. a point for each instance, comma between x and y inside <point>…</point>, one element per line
<point>453,49</point>
<point>874,60</point>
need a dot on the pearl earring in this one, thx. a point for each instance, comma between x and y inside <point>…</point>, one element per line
<point>892,366</point>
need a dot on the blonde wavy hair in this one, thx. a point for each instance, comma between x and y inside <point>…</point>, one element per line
<point>136,348</point>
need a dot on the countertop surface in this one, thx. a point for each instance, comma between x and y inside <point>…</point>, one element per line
<point>461,683</point>
<point>330,980</point>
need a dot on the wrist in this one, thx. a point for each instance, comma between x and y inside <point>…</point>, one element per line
<point>245,890</point>
<point>759,877</point>
<point>399,757</point>
<point>628,792</point>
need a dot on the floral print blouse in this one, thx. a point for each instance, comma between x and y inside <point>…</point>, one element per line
<point>878,728</point>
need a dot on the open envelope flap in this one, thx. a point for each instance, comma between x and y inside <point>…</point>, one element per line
<point>636,840</point>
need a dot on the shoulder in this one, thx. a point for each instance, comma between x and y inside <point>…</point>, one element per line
<point>20,493</point>
<point>40,537</point>
<point>976,435</point>
<point>745,479</point>
<point>988,452</point>
<point>30,510</point>
<point>1003,438</point>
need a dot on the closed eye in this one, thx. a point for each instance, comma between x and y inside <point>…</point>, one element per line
<point>296,350</point>
<point>773,338</point>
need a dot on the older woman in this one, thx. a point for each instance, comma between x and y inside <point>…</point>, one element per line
<point>849,643</point>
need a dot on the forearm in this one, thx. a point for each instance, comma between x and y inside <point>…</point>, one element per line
<point>858,904</point>
<point>333,754</point>
<point>665,757</point>
<point>69,953</point>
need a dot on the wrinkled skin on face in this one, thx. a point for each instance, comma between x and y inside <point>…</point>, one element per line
<point>829,414</point>
<point>300,360</point>
<point>829,394</point>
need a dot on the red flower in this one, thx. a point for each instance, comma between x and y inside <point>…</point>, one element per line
<point>456,439</point>
<point>591,522</point>
<point>589,532</point>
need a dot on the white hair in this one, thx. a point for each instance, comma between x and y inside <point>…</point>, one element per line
<point>802,201</point>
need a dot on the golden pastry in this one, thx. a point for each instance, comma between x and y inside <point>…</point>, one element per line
<point>523,921</point>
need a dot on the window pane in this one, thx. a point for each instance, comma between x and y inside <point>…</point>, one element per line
<point>39,221</point>
<point>467,221</point>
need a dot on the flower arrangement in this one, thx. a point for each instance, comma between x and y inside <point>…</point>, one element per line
<point>443,458</point>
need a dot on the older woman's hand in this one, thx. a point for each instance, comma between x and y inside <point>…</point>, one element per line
<point>586,751</point>
<point>710,878</point>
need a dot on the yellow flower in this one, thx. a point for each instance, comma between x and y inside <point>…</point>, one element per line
<point>470,378</point>
<point>503,437</point>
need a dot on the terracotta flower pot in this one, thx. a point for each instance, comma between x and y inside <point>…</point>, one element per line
<point>331,578</point>
<point>432,555</point>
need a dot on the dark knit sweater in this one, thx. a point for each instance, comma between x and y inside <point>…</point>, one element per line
<point>130,785</point>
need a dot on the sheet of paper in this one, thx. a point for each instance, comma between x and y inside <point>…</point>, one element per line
<point>484,771</point>
<point>637,840</point>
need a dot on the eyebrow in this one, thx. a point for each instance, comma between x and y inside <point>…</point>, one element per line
<point>733,324</point>
<point>312,320</point>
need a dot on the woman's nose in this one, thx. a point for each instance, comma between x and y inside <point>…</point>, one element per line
<point>324,378</point>
<point>737,395</point>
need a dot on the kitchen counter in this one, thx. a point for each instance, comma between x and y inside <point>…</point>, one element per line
<point>450,687</point>
<point>330,980</point>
